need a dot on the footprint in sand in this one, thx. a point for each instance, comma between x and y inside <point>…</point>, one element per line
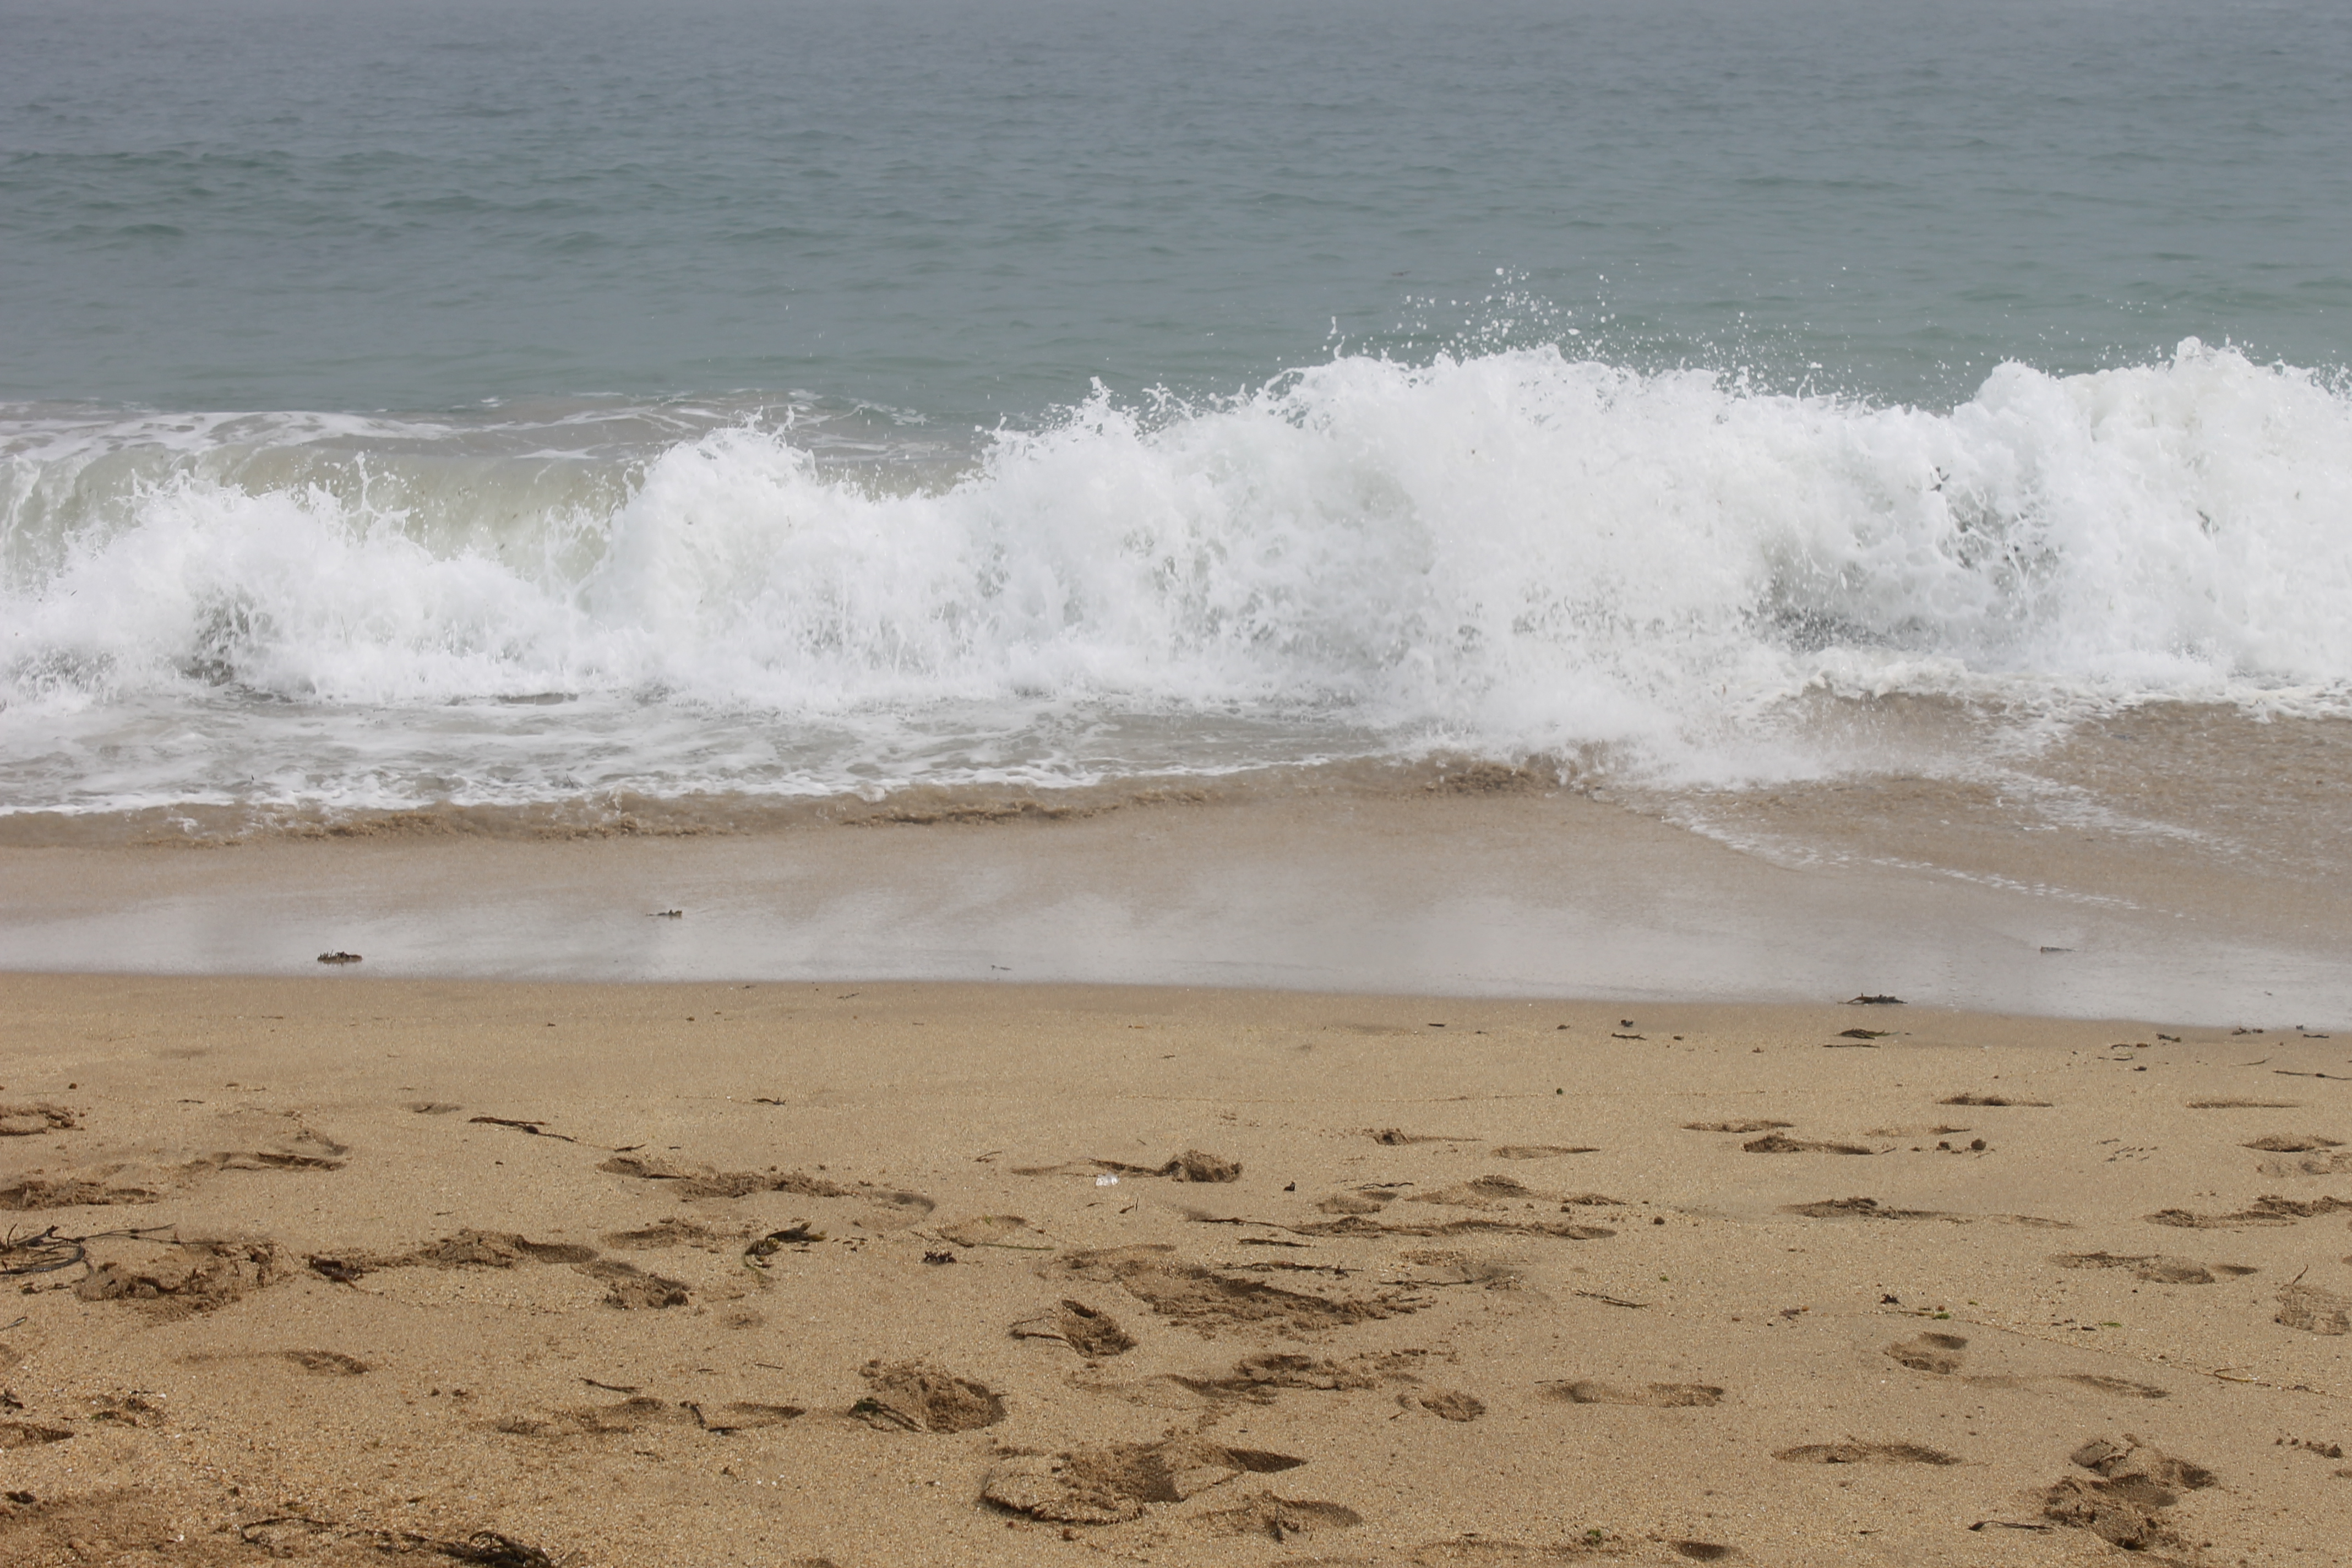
<point>1192,1165</point>
<point>1092,1333</point>
<point>29,1435</point>
<point>2292,1143</point>
<point>1480,1193</point>
<point>640,1413</point>
<point>1445,1403</point>
<point>2267,1210</point>
<point>1871,1209</point>
<point>1362,1201</point>
<point>1109,1483</point>
<point>35,1120</point>
<point>1655,1395</point>
<point>2156,1268</point>
<point>664,1233</point>
<point>1279,1519</point>
<point>2136,1483</point>
<point>1938,1354</point>
<point>981,1230</point>
<point>1782,1143</point>
<point>2314,1310</point>
<point>1206,1300</point>
<point>183,1279</point>
<point>1851,1452</point>
<point>1259,1378</point>
<point>1941,1355</point>
<point>625,1285</point>
<point>918,1396</point>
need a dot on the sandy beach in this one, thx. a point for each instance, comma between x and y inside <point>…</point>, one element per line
<point>326,1267</point>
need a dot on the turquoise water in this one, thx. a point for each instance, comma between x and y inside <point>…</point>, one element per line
<point>509,402</point>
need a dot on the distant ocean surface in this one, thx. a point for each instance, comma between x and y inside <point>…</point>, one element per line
<point>494,404</point>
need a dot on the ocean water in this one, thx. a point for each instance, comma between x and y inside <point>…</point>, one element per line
<point>507,405</point>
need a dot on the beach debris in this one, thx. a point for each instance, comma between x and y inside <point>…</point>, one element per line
<point>1608,1300</point>
<point>1539,1151</point>
<point>46,1251</point>
<point>2136,1482</point>
<point>1090,1331</point>
<point>1109,1483</point>
<point>919,1397</point>
<point>338,957</point>
<point>1561,1230</point>
<point>536,1129</point>
<point>1106,1180</point>
<point>1992,1099</point>
<point>1870,1001</point>
<point>1865,1034</point>
<point>800,1234</point>
<point>1750,1125</point>
<point>666,914</point>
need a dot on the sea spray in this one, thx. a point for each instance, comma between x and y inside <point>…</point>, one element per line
<point>1513,553</point>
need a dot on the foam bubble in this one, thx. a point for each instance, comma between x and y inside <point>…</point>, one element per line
<point>1512,554</point>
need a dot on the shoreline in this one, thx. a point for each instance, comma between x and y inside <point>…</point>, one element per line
<point>1509,891</point>
<point>705,1273</point>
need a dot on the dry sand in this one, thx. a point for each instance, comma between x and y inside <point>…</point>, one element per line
<point>319,1269</point>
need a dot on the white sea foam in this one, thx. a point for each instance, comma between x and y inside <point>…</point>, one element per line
<point>1513,554</point>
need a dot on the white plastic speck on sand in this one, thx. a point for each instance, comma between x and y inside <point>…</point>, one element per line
<point>1106,1181</point>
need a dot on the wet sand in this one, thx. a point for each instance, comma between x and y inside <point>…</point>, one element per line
<point>782,1273</point>
<point>1489,886</point>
